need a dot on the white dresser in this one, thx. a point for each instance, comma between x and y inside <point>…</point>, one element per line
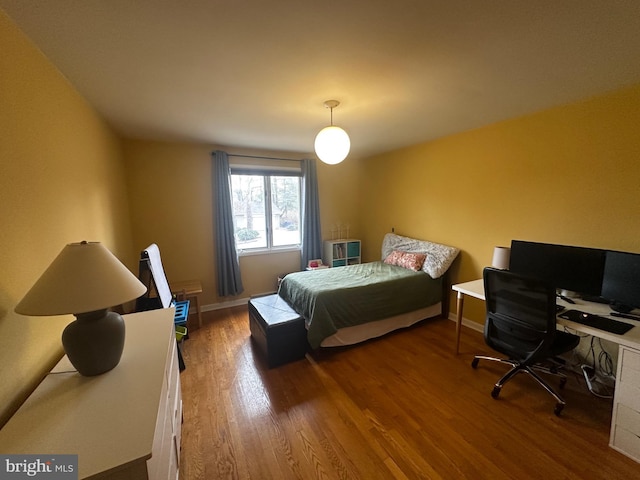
<point>124,424</point>
<point>625,421</point>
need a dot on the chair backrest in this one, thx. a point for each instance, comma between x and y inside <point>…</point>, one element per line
<point>151,274</point>
<point>521,315</point>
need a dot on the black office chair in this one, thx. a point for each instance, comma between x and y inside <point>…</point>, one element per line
<point>521,323</point>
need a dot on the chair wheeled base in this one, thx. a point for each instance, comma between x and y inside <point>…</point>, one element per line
<point>517,367</point>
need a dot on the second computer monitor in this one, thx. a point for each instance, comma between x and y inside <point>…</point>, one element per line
<point>575,269</point>
<point>621,282</point>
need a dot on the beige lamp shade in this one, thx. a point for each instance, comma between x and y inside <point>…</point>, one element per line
<point>84,277</point>
<point>501,257</point>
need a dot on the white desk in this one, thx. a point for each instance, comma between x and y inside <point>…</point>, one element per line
<point>625,419</point>
<point>475,289</point>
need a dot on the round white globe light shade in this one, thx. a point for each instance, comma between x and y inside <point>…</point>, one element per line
<point>332,145</point>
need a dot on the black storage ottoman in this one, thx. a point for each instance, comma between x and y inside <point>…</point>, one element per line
<point>277,330</point>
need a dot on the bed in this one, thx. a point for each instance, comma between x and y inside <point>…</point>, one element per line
<point>354,303</point>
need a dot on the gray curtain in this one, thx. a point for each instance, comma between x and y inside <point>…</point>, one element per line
<point>311,234</point>
<point>229,279</point>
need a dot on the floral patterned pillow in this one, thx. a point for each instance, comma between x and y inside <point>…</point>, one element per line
<point>412,261</point>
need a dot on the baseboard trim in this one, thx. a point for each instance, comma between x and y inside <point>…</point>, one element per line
<point>231,303</point>
<point>478,327</point>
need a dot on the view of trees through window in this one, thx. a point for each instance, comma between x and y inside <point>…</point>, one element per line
<point>266,211</point>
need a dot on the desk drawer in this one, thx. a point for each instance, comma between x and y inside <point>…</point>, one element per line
<point>630,359</point>
<point>626,442</point>
<point>628,394</point>
<point>628,378</point>
<point>628,419</point>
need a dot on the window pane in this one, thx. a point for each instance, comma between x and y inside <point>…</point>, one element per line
<point>285,210</point>
<point>248,195</point>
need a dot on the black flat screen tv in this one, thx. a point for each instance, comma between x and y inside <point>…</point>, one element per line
<point>574,269</point>
<point>621,281</point>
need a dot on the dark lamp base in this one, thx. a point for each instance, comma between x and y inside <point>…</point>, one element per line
<point>94,341</point>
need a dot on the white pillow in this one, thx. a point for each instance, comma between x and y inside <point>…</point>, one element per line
<point>439,257</point>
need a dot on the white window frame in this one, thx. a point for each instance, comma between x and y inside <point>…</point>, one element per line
<point>267,172</point>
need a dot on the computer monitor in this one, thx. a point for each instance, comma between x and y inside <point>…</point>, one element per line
<point>574,269</point>
<point>621,281</point>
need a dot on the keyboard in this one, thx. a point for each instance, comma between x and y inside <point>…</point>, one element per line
<point>596,321</point>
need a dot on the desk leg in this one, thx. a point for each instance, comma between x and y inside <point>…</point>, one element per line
<point>459,307</point>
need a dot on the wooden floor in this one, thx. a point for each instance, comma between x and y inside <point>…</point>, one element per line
<point>403,406</point>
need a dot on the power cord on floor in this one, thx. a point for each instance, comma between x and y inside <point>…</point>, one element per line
<point>601,380</point>
<point>598,374</point>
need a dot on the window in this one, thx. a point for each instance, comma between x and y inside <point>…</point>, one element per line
<point>266,209</point>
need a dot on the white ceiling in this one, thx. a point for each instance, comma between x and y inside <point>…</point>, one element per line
<point>255,73</point>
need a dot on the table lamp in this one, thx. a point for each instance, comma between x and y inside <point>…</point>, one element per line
<point>501,257</point>
<point>85,280</point>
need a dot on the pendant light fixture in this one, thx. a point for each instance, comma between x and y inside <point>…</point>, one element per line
<point>332,143</point>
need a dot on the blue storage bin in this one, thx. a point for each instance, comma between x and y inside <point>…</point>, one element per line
<point>182,313</point>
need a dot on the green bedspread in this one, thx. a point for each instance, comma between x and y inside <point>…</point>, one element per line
<point>334,298</point>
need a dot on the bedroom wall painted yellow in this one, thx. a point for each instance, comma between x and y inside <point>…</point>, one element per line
<point>62,181</point>
<point>171,194</point>
<point>566,175</point>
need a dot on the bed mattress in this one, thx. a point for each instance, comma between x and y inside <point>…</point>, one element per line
<point>337,298</point>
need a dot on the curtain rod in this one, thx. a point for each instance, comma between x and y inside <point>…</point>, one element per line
<point>265,158</point>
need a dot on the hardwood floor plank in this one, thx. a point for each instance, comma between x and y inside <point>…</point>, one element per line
<point>341,423</point>
<point>400,407</point>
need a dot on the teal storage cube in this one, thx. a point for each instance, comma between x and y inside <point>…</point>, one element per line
<point>353,249</point>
